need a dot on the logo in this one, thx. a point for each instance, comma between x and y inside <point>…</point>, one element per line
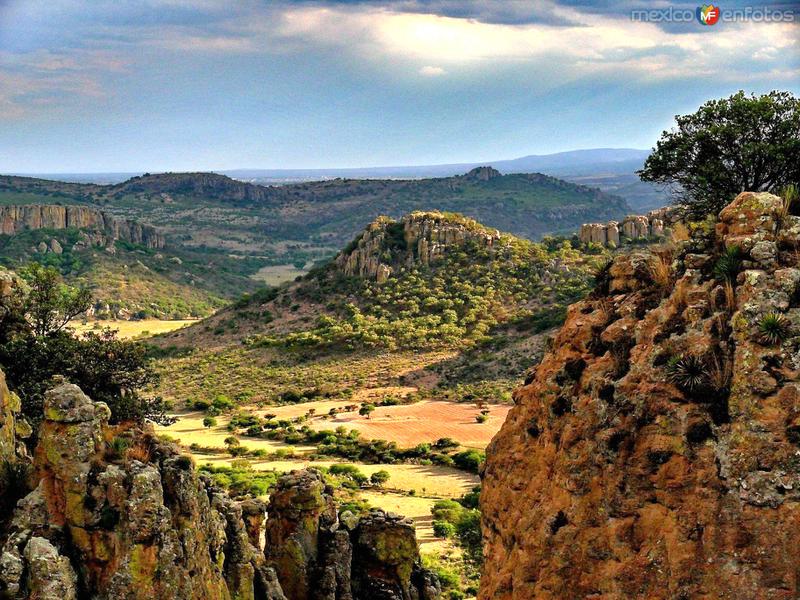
<point>708,14</point>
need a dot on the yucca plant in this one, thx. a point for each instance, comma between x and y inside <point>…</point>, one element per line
<point>773,328</point>
<point>688,372</point>
<point>728,264</point>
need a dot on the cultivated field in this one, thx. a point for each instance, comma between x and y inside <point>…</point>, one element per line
<point>132,329</point>
<point>425,421</point>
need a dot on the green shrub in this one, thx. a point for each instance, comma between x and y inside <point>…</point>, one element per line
<point>443,529</point>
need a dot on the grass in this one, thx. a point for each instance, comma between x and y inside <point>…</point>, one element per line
<point>132,329</point>
<point>423,480</point>
<point>275,275</point>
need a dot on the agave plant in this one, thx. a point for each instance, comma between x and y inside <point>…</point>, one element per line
<point>729,264</point>
<point>688,372</point>
<point>773,328</point>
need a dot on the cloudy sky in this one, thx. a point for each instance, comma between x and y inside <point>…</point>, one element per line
<point>111,85</point>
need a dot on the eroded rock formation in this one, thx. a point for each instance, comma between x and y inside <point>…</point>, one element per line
<point>634,227</point>
<point>117,513</point>
<point>106,227</point>
<point>319,556</point>
<point>418,238</point>
<point>656,452</point>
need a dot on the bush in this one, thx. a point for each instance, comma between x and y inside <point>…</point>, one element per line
<point>469,460</point>
<point>443,529</point>
<point>379,478</point>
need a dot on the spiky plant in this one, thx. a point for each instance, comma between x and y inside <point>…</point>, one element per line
<point>602,277</point>
<point>790,195</point>
<point>688,372</point>
<point>728,264</point>
<point>773,328</point>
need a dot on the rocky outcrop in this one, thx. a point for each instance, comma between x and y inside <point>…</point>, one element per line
<point>654,224</point>
<point>204,185</point>
<point>104,227</point>
<point>119,514</point>
<point>419,238</point>
<point>320,556</point>
<point>14,429</point>
<point>654,454</point>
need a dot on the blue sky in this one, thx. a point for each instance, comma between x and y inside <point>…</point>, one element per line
<point>107,85</point>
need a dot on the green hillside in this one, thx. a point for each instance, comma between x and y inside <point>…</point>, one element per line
<point>472,310</point>
<point>132,281</point>
<point>302,220</point>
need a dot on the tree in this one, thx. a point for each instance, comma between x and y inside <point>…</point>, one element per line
<point>366,410</point>
<point>209,422</point>
<point>736,144</point>
<point>50,304</point>
<point>378,478</point>
<point>36,346</point>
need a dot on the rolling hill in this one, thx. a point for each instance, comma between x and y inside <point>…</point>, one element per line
<point>431,293</point>
<point>207,209</point>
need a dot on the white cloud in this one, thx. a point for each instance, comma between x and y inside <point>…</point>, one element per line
<point>431,71</point>
<point>593,43</point>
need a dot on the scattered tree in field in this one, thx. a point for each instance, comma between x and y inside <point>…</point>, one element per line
<point>366,410</point>
<point>378,478</point>
<point>736,144</point>
<point>209,422</point>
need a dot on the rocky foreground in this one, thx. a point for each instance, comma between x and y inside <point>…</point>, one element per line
<point>656,451</point>
<point>115,513</point>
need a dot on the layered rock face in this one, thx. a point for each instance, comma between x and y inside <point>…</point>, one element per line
<point>656,451</point>
<point>14,219</point>
<point>654,224</point>
<point>319,556</point>
<point>418,238</point>
<point>119,514</point>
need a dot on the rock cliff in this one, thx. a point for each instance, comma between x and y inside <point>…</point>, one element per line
<point>418,238</point>
<point>117,513</point>
<point>655,452</point>
<point>321,556</point>
<point>105,227</point>
<point>655,224</point>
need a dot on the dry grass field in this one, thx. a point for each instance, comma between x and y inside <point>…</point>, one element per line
<point>278,274</point>
<point>425,421</point>
<point>429,481</point>
<point>133,329</point>
<point>413,507</point>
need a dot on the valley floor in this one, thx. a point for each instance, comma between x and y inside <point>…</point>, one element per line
<point>133,329</point>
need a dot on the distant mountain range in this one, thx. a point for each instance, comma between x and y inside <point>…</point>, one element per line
<point>611,170</point>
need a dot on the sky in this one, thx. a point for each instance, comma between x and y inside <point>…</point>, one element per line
<point>157,85</point>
